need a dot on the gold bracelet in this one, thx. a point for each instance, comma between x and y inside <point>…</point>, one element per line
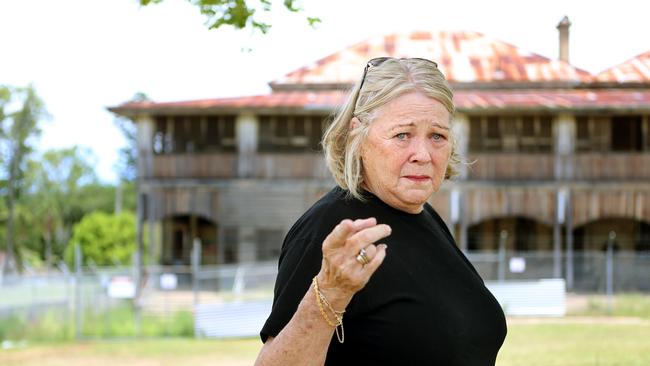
<point>338,315</point>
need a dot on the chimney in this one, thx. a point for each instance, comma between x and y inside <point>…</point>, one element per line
<point>563,28</point>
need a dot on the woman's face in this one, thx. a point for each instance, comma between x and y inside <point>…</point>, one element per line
<point>406,152</point>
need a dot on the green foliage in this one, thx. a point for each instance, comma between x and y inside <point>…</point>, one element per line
<point>21,110</point>
<point>117,322</point>
<point>48,326</point>
<point>239,14</point>
<point>55,185</point>
<point>105,239</point>
<point>101,197</point>
<point>120,321</point>
<point>43,195</point>
<point>20,113</point>
<point>59,188</point>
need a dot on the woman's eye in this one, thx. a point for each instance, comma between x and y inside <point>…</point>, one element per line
<point>437,137</point>
<point>402,136</point>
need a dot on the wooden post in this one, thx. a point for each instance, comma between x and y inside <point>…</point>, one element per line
<point>564,146</point>
<point>569,241</point>
<point>246,135</point>
<point>503,237</point>
<point>150,229</point>
<point>560,198</point>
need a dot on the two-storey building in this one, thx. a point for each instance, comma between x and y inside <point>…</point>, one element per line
<point>560,157</point>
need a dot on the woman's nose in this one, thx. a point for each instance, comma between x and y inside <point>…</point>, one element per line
<point>420,151</point>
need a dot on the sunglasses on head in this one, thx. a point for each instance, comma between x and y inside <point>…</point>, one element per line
<point>380,60</point>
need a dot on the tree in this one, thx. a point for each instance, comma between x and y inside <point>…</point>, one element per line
<point>105,239</point>
<point>56,182</point>
<point>239,14</point>
<point>127,168</point>
<point>18,128</point>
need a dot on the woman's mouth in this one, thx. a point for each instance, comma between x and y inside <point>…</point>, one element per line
<point>418,178</point>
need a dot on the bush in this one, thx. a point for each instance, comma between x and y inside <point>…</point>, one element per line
<point>105,239</point>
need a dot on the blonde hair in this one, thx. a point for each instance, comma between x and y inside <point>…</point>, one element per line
<point>382,83</point>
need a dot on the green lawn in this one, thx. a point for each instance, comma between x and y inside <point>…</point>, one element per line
<point>576,344</point>
<point>567,342</point>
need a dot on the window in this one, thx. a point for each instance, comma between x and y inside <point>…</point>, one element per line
<point>491,130</point>
<point>613,133</point>
<point>192,134</point>
<point>527,133</point>
<point>592,133</point>
<point>162,142</point>
<point>290,133</point>
<point>627,134</point>
<point>219,133</point>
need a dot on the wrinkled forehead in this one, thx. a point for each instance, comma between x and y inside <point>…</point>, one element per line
<point>413,109</point>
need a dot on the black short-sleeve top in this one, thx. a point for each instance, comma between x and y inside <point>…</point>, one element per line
<point>425,304</point>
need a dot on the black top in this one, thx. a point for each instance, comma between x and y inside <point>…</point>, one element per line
<point>425,305</point>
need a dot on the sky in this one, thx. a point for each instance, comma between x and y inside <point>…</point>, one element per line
<point>83,56</point>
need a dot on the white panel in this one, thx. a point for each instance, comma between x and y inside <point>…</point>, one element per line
<point>546,297</point>
<point>231,319</point>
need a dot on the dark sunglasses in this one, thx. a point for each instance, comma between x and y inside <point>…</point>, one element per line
<point>380,60</point>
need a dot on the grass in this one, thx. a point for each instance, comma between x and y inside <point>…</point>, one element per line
<point>559,342</point>
<point>572,344</point>
<point>631,305</point>
<point>589,335</point>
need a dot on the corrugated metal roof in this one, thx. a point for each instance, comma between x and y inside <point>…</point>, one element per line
<point>462,56</point>
<point>465,100</point>
<point>636,69</point>
<point>570,99</point>
<point>290,99</point>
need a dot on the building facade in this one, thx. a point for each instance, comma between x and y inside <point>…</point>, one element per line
<point>558,158</point>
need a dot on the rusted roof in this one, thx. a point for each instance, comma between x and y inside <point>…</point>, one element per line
<point>462,56</point>
<point>636,69</point>
<point>570,99</point>
<point>304,100</point>
<point>465,100</point>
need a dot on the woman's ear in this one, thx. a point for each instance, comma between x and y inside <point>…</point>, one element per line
<point>354,123</point>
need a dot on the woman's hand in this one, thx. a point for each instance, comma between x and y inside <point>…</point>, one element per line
<point>341,274</point>
<point>306,338</point>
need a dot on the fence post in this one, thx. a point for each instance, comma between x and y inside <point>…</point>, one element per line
<point>137,300</point>
<point>196,263</point>
<point>239,282</point>
<point>568,215</point>
<point>609,268</point>
<point>77,294</point>
<point>502,255</point>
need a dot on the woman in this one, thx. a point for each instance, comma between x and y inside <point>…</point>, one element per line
<point>370,275</point>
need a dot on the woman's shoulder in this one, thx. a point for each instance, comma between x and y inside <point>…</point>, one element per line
<point>308,232</point>
<point>322,216</point>
<point>438,220</point>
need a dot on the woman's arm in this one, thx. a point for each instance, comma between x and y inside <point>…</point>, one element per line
<point>306,338</point>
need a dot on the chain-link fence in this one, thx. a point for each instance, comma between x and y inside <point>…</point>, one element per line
<point>116,302</point>
<point>586,272</point>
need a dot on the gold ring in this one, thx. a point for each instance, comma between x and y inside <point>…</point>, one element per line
<point>362,258</point>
